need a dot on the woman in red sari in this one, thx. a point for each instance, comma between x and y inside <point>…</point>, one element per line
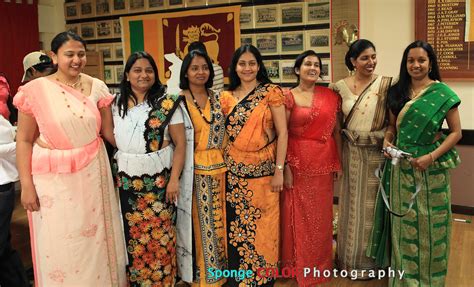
<point>314,143</point>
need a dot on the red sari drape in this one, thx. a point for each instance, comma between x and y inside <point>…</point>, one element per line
<point>306,209</point>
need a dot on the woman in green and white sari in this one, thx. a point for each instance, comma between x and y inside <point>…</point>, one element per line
<point>420,236</point>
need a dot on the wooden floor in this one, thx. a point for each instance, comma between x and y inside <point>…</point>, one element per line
<point>460,269</point>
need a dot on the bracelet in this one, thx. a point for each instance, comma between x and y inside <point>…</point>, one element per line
<point>432,158</point>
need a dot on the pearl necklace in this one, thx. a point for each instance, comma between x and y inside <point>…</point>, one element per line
<point>74,85</point>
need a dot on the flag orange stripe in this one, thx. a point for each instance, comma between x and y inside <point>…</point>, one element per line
<point>151,38</point>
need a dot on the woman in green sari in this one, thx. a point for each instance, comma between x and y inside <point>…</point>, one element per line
<point>420,223</point>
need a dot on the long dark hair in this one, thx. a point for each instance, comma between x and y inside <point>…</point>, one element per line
<point>155,92</point>
<point>299,61</point>
<point>262,75</point>
<point>399,93</point>
<point>355,49</point>
<point>183,79</point>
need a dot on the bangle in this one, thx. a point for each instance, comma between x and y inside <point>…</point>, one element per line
<point>279,167</point>
<point>432,158</point>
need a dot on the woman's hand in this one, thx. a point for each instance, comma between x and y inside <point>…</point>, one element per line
<point>288,177</point>
<point>277,181</point>
<point>29,198</point>
<point>422,163</point>
<point>172,191</point>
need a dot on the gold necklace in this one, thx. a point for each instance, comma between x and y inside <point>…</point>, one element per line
<point>72,85</point>
<point>415,94</point>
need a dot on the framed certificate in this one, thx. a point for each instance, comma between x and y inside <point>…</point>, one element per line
<point>195,3</point>
<point>136,6</point>
<point>172,4</point>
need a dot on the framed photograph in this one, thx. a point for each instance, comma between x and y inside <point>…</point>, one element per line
<point>117,28</point>
<point>215,2</point>
<point>136,6</point>
<point>104,29</point>
<point>266,16</point>
<point>91,47</point>
<point>246,18</point>
<point>175,4</point>
<point>119,6</point>
<point>326,74</point>
<point>247,39</point>
<point>273,70</point>
<point>76,28</point>
<point>87,8</point>
<point>287,72</point>
<point>318,12</point>
<point>118,71</point>
<point>292,42</point>
<point>267,43</point>
<point>88,31</point>
<point>109,74</point>
<point>103,7</point>
<point>118,52</point>
<point>292,14</point>
<point>318,40</point>
<point>106,50</point>
<point>71,10</point>
<point>153,5</point>
<point>194,3</point>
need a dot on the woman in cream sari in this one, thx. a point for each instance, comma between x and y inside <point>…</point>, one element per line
<point>363,104</point>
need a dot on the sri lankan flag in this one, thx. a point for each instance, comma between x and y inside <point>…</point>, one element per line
<point>166,33</point>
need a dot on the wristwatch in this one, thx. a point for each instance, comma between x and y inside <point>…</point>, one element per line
<point>279,167</point>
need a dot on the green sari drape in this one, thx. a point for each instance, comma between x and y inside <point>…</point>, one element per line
<point>418,243</point>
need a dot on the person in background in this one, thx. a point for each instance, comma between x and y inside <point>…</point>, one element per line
<point>255,157</point>
<point>218,81</point>
<point>314,145</point>
<point>364,97</point>
<point>209,167</point>
<point>12,272</point>
<point>419,227</point>
<point>35,65</point>
<point>154,138</point>
<point>66,183</point>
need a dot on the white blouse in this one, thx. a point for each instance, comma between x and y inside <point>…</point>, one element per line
<point>8,171</point>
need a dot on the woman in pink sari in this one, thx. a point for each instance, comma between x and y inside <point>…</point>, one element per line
<point>314,142</point>
<point>67,186</point>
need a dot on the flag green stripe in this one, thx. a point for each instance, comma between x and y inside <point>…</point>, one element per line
<point>136,36</point>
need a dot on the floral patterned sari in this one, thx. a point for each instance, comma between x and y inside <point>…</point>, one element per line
<point>252,208</point>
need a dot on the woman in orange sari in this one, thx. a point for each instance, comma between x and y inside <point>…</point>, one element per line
<point>313,162</point>
<point>255,156</point>
<point>196,79</point>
